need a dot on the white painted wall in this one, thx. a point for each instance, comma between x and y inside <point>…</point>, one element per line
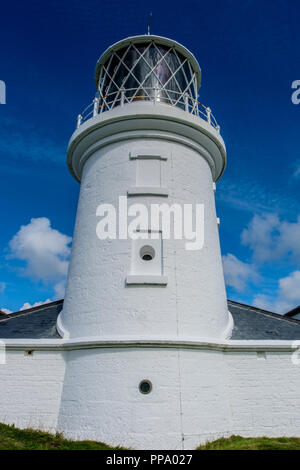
<point>98,302</point>
<point>239,393</point>
<point>30,389</point>
<point>198,394</point>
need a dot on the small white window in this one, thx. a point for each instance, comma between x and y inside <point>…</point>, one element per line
<point>147,253</point>
<point>147,260</point>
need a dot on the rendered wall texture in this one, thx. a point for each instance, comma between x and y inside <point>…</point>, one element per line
<point>256,395</point>
<point>197,395</point>
<point>97,301</point>
<point>30,388</point>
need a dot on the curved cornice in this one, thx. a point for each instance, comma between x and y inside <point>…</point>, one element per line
<point>146,120</point>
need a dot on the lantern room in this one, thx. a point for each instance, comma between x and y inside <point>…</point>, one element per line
<point>148,68</point>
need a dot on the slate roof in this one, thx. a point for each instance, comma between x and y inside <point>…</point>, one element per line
<point>35,323</point>
<point>255,323</point>
<point>249,323</point>
<point>293,312</point>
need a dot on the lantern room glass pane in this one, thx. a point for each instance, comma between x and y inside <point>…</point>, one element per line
<point>146,72</point>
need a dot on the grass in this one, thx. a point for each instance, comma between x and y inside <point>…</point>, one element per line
<point>12,438</point>
<point>253,443</point>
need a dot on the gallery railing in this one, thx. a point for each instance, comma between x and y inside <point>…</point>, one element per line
<point>156,96</point>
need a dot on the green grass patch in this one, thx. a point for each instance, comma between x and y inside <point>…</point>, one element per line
<point>12,438</point>
<point>253,443</point>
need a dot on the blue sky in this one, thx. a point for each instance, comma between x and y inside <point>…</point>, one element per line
<point>249,54</point>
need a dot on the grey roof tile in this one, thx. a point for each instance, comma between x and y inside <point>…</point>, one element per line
<point>254,323</point>
<point>34,323</point>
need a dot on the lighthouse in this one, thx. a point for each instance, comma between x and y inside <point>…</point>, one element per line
<point>138,301</point>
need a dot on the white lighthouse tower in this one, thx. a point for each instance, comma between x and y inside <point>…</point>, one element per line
<point>138,305</point>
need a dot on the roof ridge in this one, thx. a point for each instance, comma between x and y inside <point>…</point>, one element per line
<point>266,312</point>
<point>293,312</point>
<point>30,310</point>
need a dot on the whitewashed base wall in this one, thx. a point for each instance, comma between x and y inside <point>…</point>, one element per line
<point>197,395</point>
<point>30,389</point>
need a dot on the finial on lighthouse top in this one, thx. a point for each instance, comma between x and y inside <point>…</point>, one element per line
<point>149,68</point>
<point>149,23</point>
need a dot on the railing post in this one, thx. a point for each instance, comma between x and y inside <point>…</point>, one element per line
<point>122,96</point>
<point>155,95</point>
<point>186,102</point>
<point>96,106</point>
<point>218,129</point>
<point>79,118</point>
<point>208,114</point>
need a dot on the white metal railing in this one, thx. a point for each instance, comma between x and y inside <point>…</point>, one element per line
<point>171,98</point>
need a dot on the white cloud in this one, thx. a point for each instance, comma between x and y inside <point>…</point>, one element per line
<point>276,242</point>
<point>2,289</point>
<point>287,297</point>
<point>27,305</point>
<point>5,310</point>
<point>290,287</point>
<point>289,241</point>
<point>44,250</point>
<point>59,289</point>
<point>237,273</point>
<point>297,170</point>
<point>271,239</point>
<point>276,305</point>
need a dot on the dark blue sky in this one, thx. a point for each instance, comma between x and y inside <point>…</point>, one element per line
<point>248,51</point>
